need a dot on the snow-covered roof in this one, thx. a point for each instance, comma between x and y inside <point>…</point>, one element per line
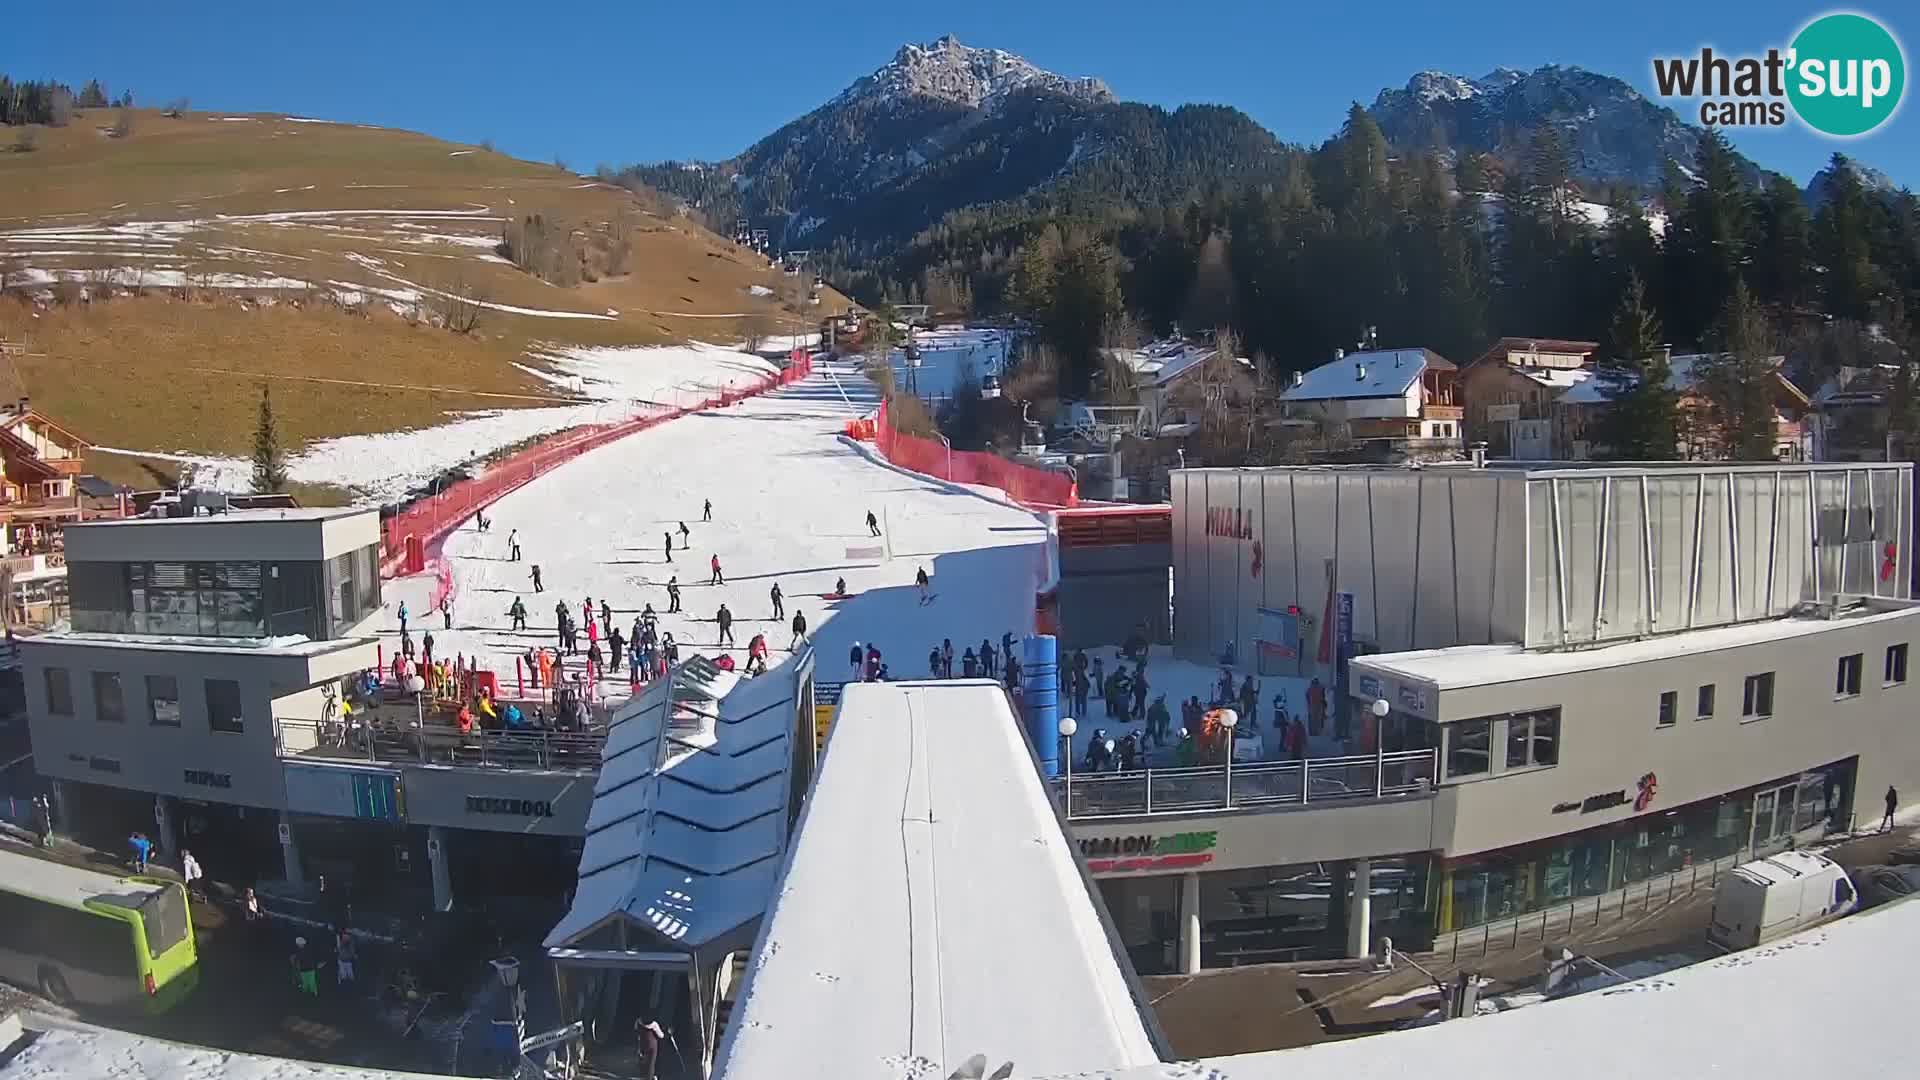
<point>1375,374</point>
<point>1556,378</point>
<point>932,910</point>
<point>1784,867</point>
<point>1727,1017</point>
<point>1682,376</point>
<point>689,822</point>
<point>1160,362</point>
<point>1457,666</point>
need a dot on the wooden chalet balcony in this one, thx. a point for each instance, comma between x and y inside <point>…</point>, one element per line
<point>1443,412</point>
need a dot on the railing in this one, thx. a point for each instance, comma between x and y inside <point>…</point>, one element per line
<point>1024,484</point>
<point>434,743</point>
<point>1266,783</point>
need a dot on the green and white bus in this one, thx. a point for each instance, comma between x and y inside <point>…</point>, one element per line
<point>82,937</point>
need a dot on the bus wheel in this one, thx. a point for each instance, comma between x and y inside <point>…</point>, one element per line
<point>53,986</point>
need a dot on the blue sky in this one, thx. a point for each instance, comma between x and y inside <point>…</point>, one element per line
<point>625,82</point>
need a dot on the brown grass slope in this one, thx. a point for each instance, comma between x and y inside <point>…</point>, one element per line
<point>140,220</point>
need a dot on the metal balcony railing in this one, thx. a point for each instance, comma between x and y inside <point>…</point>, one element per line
<point>1266,783</point>
<point>431,742</point>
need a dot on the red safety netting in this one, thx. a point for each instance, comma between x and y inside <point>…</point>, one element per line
<point>407,539</point>
<point>1025,484</point>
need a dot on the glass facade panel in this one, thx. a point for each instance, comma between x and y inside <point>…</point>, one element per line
<point>231,599</point>
<point>1469,747</point>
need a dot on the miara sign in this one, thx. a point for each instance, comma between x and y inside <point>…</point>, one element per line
<point>1230,521</point>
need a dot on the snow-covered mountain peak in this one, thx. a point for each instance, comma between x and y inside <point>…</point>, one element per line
<point>1498,78</point>
<point>947,70</point>
<point>1441,86</point>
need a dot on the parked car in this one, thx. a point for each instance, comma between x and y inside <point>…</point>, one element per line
<point>1880,884</point>
<point>1776,896</point>
<point>1904,855</point>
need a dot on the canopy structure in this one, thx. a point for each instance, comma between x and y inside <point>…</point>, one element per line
<point>703,774</point>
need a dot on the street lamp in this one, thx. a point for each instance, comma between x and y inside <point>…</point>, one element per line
<point>1379,709</point>
<point>944,441</point>
<point>1067,728</point>
<point>1229,719</point>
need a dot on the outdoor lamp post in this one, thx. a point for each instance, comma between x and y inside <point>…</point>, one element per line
<point>1067,728</point>
<point>1380,710</point>
<point>1229,720</point>
<point>944,441</point>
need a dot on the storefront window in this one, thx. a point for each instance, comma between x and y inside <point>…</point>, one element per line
<point>1146,915</point>
<point>1469,747</point>
<point>1267,914</point>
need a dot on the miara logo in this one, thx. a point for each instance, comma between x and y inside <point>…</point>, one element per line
<point>1843,75</point>
<point>1230,522</point>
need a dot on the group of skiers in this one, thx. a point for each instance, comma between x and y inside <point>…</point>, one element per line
<point>981,664</point>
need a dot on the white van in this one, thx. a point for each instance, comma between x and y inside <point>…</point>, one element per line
<point>1776,896</point>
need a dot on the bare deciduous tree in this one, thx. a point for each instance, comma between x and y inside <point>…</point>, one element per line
<point>760,326</point>
<point>460,305</point>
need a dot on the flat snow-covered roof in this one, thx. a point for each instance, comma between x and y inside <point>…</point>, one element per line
<point>1479,665</point>
<point>932,909</point>
<point>229,517</point>
<point>1382,373</point>
<point>1744,1015</point>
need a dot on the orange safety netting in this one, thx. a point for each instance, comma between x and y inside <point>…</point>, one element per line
<point>1023,483</point>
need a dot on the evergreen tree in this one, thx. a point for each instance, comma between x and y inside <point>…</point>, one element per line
<point>1738,380</point>
<point>1210,302</point>
<point>1709,235</point>
<point>1784,260</point>
<point>1639,422</point>
<point>269,462</point>
<point>92,95</point>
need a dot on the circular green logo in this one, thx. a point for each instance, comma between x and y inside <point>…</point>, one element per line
<point>1847,74</point>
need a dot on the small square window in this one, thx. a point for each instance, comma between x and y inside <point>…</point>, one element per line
<point>1846,676</point>
<point>1533,738</point>
<point>1669,709</point>
<point>1757,702</point>
<point>163,700</point>
<point>108,702</point>
<point>223,706</point>
<point>59,692</point>
<point>1469,745</point>
<point>1703,710</point>
<point>1896,664</point>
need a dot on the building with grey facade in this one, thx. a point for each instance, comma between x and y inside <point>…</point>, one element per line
<point>192,697</point>
<point>1552,684</point>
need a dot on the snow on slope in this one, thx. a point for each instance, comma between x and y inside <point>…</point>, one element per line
<point>790,503</point>
<point>618,383</point>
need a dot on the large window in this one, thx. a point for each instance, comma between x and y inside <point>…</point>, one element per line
<point>1533,738</point>
<point>223,706</point>
<point>1896,669</point>
<point>109,703</point>
<point>1758,701</point>
<point>59,692</point>
<point>163,700</point>
<point>1469,747</point>
<point>1669,713</point>
<point>211,599</point>
<point>1846,675</point>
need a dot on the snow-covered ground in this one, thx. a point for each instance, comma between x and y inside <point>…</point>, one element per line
<point>790,503</point>
<point>616,383</point>
<point>948,353</point>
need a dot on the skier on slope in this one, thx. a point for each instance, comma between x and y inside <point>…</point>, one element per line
<point>757,655</point>
<point>799,630</point>
<point>606,620</point>
<point>718,578</point>
<point>779,611</point>
<point>536,578</point>
<point>873,523</point>
<point>614,644</point>
<point>513,545</point>
<point>725,619</point>
<point>518,613</point>
<point>684,534</point>
<point>666,539</point>
<point>706,510</point>
<point>560,618</point>
<point>673,594</point>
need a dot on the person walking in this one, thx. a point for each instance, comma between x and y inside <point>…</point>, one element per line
<point>614,643</point>
<point>666,541</point>
<point>718,577</point>
<point>446,613</point>
<point>406,646</point>
<point>513,545</point>
<point>673,594</point>
<point>725,619</point>
<point>518,613</point>
<point>43,820</point>
<point>873,523</point>
<point>536,578</point>
<point>403,618</point>
<point>594,665</point>
<point>426,648</point>
<point>799,630</point>
<point>1140,690</point>
<point>345,953</point>
<point>560,618</point>
<point>593,631</point>
<point>142,850</point>
<point>922,582</point>
<point>946,657</point>
<point>647,1035</point>
<point>855,657</point>
<point>706,510</point>
<point>1080,692</point>
<point>779,609</point>
<point>1893,803</point>
<point>191,874</point>
<point>685,533</point>
<point>606,618</point>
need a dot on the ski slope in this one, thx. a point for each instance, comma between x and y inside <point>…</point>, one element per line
<point>790,504</point>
